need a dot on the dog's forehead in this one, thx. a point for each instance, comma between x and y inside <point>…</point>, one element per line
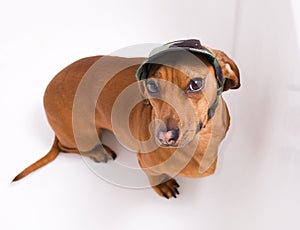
<point>183,69</point>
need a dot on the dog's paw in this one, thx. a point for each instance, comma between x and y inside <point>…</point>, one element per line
<point>167,189</point>
<point>101,153</point>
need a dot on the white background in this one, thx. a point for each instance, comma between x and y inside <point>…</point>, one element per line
<point>257,184</point>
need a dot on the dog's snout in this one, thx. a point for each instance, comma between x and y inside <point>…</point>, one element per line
<point>169,137</point>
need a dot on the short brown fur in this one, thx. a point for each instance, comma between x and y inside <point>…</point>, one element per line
<point>58,103</point>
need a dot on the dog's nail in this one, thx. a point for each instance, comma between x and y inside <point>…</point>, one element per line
<point>177,185</point>
<point>176,191</point>
<point>173,192</point>
<point>174,195</point>
<point>166,196</point>
<point>114,155</point>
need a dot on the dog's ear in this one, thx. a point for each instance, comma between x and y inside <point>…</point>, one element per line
<point>230,70</point>
<point>142,90</point>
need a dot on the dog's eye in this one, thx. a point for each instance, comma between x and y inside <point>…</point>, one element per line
<point>196,85</point>
<point>152,87</point>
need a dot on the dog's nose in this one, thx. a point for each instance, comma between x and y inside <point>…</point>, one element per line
<point>168,137</point>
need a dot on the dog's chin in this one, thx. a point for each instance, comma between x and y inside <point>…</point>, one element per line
<point>168,146</point>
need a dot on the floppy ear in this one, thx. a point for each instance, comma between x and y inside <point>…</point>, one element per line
<point>230,70</point>
<point>141,84</point>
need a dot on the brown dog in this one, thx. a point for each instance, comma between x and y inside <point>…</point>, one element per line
<point>177,125</point>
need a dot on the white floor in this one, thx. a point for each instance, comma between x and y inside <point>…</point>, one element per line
<point>257,182</point>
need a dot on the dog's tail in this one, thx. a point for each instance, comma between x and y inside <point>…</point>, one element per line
<point>50,156</point>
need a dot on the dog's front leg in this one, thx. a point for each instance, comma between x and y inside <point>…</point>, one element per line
<point>164,185</point>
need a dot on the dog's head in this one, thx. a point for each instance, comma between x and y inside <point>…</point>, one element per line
<point>183,89</point>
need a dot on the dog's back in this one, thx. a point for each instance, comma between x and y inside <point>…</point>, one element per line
<point>61,91</point>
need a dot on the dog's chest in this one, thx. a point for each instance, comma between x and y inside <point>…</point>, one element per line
<point>185,162</point>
